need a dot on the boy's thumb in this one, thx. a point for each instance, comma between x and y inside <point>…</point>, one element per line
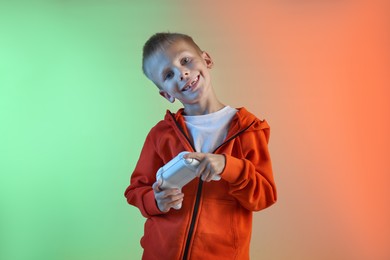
<point>156,185</point>
<point>194,155</point>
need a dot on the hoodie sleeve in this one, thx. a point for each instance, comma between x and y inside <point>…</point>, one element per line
<point>250,177</point>
<point>140,192</point>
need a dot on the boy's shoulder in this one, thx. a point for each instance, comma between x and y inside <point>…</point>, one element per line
<point>170,119</point>
<point>248,118</point>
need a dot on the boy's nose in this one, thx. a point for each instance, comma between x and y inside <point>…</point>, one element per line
<point>184,75</point>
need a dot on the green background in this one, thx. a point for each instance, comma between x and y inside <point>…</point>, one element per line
<point>74,109</point>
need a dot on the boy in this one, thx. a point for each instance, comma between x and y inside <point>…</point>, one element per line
<point>235,174</point>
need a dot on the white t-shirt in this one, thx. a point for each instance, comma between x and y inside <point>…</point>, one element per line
<point>210,130</point>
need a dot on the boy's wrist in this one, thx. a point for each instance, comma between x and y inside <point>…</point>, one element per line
<point>232,166</point>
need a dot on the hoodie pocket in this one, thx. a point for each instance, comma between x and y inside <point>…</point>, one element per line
<point>216,230</point>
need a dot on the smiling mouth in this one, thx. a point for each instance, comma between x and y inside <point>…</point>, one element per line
<point>191,85</point>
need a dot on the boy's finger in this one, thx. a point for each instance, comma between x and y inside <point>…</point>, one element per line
<point>200,169</point>
<point>156,185</point>
<point>209,177</point>
<point>176,197</point>
<point>195,155</point>
<point>170,192</point>
<point>206,176</point>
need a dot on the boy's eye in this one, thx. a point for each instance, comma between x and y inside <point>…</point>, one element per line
<point>185,60</point>
<point>169,75</point>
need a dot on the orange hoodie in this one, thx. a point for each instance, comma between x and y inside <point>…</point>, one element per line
<point>215,220</point>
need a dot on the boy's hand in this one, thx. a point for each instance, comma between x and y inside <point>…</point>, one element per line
<point>167,198</point>
<point>210,166</point>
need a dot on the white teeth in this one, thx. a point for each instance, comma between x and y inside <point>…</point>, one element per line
<point>195,80</point>
<point>191,84</point>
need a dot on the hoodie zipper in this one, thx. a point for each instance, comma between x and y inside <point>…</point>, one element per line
<point>200,187</point>
<point>197,198</point>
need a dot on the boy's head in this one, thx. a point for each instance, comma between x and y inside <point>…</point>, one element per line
<point>178,67</point>
<point>159,42</point>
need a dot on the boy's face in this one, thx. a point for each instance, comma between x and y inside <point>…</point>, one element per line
<point>180,72</point>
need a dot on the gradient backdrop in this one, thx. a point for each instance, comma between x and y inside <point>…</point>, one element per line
<point>75,109</point>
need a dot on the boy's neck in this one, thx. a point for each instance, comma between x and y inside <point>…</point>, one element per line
<point>203,109</point>
<point>197,111</point>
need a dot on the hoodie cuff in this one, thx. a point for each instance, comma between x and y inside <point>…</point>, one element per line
<point>233,167</point>
<point>150,204</point>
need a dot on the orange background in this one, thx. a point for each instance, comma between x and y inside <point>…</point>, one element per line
<point>319,73</point>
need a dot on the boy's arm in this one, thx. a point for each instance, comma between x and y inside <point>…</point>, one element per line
<point>251,178</point>
<point>140,192</point>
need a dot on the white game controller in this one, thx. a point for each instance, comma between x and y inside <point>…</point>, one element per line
<point>178,172</point>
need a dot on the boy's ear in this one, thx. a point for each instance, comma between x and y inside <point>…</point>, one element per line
<point>167,96</point>
<point>209,61</point>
